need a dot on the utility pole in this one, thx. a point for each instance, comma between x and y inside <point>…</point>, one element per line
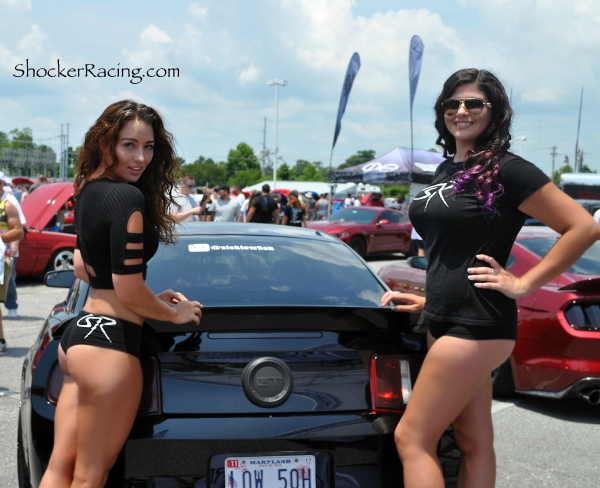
<point>277,82</point>
<point>553,154</point>
<point>264,151</point>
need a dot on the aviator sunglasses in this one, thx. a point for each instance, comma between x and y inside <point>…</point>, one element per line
<point>474,106</point>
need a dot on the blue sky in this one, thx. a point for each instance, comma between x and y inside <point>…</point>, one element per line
<point>226,50</point>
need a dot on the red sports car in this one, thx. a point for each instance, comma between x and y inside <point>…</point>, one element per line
<point>40,250</point>
<point>368,230</point>
<point>557,354</point>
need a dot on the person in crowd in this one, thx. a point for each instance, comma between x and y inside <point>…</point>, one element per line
<point>246,204</point>
<point>225,208</point>
<point>357,202</point>
<point>375,200</point>
<point>12,251</point>
<point>11,230</point>
<point>186,207</point>
<point>263,208</point>
<point>123,189</point>
<point>295,212</point>
<point>349,201</point>
<point>416,243</point>
<point>469,218</point>
<point>41,180</point>
<point>310,202</point>
<point>24,190</point>
<point>239,194</point>
<point>322,207</point>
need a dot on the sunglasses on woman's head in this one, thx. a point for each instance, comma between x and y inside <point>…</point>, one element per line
<point>474,106</point>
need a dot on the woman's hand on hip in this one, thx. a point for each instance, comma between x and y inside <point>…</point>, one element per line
<point>409,303</point>
<point>495,277</point>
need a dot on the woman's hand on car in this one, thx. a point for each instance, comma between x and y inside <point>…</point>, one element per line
<point>408,302</point>
<point>186,311</point>
<point>495,277</point>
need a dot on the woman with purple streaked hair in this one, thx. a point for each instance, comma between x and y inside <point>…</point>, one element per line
<point>469,217</point>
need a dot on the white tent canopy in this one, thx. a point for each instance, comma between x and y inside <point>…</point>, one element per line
<point>318,186</point>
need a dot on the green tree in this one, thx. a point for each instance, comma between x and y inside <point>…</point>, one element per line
<point>564,169</point>
<point>22,139</point>
<point>299,167</point>
<point>397,190</point>
<point>246,177</point>
<point>205,171</point>
<point>310,173</point>
<point>283,172</point>
<point>358,158</point>
<point>4,141</point>
<point>240,159</point>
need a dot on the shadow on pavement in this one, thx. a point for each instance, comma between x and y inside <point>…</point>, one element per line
<point>14,352</point>
<point>571,410</point>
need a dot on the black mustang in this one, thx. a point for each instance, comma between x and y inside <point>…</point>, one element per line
<point>295,378</point>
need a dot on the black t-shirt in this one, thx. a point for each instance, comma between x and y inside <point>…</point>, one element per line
<point>294,215</point>
<point>264,206</point>
<point>455,229</point>
<point>103,209</point>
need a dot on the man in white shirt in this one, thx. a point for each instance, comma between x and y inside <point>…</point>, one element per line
<point>187,209</point>
<point>225,208</point>
<point>349,201</point>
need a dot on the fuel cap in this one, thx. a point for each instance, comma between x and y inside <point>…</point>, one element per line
<point>267,381</point>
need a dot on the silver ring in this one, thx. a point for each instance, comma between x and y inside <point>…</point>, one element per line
<point>493,272</point>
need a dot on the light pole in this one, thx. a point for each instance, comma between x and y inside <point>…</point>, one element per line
<point>522,139</point>
<point>277,82</point>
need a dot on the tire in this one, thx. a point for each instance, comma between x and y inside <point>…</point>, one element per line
<point>503,383</point>
<point>62,259</point>
<point>22,471</point>
<point>359,246</point>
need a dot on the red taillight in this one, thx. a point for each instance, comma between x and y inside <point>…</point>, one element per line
<point>40,351</point>
<point>55,383</point>
<point>150,402</point>
<point>391,385</point>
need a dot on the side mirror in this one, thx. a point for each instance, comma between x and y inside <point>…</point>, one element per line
<point>419,262</point>
<point>383,222</point>
<point>59,279</point>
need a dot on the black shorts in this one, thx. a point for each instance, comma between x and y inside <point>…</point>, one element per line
<point>473,332</point>
<point>103,331</point>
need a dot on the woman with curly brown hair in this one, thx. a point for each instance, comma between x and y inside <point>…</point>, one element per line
<point>126,172</point>
<point>469,218</point>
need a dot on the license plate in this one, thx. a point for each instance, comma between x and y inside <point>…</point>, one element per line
<point>271,472</point>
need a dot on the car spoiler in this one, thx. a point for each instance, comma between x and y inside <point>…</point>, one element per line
<point>591,284</point>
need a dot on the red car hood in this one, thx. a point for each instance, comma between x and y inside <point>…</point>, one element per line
<point>44,202</point>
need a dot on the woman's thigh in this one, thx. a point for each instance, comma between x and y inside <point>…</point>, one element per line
<point>452,373</point>
<point>109,390</point>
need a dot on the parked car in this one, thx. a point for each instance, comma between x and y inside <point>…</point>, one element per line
<point>590,205</point>
<point>41,250</point>
<point>557,354</point>
<point>368,230</point>
<point>296,375</point>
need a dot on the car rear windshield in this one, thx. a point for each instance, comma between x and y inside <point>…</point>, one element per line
<point>588,264</point>
<point>264,271</point>
<point>353,215</point>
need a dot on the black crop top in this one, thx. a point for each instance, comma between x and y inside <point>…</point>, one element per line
<point>102,211</point>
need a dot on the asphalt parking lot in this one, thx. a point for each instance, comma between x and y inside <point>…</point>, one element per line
<point>539,443</point>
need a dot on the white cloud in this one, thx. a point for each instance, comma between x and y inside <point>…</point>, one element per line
<point>34,43</point>
<point>197,11</point>
<point>249,74</point>
<point>18,3</point>
<point>154,34</point>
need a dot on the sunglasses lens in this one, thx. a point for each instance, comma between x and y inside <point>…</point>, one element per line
<point>474,105</point>
<point>450,106</point>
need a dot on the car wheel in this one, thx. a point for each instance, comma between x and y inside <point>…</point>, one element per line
<point>359,245</point>
<point>62,259</point>
<point>22,471</point>
<point>503,383</point>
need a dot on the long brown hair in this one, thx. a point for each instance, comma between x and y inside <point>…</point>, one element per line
<point>159,178</point>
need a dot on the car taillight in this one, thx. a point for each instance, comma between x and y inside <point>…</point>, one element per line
<point>391,385</point>
<point>40,351</point>
<point>55,383</point>
<point>150,403</point>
